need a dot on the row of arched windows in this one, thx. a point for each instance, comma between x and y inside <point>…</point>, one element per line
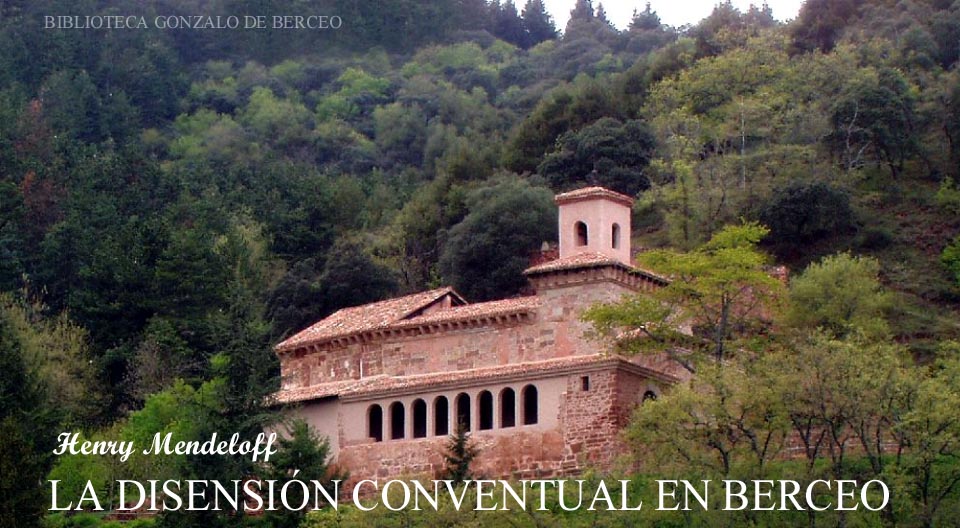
<point>444,424</point>
<point>583,237</point>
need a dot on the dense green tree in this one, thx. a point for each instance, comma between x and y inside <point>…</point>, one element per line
<point>474,15</point>
<point>727,28</point>
<point>11,246</point>
<point>565,109</point>
<point>840,295</point>
<point>948,196</point>
<point>148,72</point>
<point>421,228</point>
<point>28,432</point>
<point>644,20</point>
<point>460,453</point>
<point>718,294</point>
<point>874,116</point>
<point>946,32</point>
<point>931,429</point>
<point>646,32</point>
<point>537,23</point>
<point>820,22</point>
<point>608,153</point>
<point>801,213</point>
<point>296,302</point>
<point>582,11</point>
<point>486,253</point>
<point>72,106</point>
<point>300,449</point>
<point>57,353</point>
<point>951,127</point>
<point>508,25</point>
<point>351,277</point>
<point>242,373</point>
<point>401,132</point>
<point>282,122</point>
<point>724,423</point>
<point>313,289</point>
<point>601,14</point>
<point>162,357</point>
<point>951,259</point>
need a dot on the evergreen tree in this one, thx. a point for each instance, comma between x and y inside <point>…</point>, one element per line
<point>646,32</point>
<point>508,25</point>
<point>602,14</point>
<point>645,20</point>
<point>28,432</point>
<point>473,15</point>
<point>461,452</point>
<point>537,23</point>
<point>304,450</point>
<point>582,11</point>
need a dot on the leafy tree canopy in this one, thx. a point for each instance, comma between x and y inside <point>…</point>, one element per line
<point>717,294</point>
<point>487,252</point>
<point>608,153</point>
<point>841,295</point>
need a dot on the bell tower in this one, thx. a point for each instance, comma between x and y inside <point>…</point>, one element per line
<point>595,220</point>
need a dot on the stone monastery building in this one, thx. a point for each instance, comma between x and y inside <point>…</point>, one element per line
<point>387,382</point>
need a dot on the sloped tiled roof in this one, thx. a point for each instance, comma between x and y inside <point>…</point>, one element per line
<point>592,192</point>
<point>400,313</point>
<point>472,311</point>
<point>590,260</point>
<point>580,260</point>
<point>366,317</point>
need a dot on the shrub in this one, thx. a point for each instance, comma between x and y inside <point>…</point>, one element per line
<point>951,259</point>
<point>802,212</point>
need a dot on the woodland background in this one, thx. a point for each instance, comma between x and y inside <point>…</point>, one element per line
<point>172,203</point>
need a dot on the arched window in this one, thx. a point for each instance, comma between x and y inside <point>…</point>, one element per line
<point>397,423</point>
<point>530,405</point>
<point>580,232</point>
<point>485,408</point>
<point>649,395</point>
<point>462,404</point>
<point>508,408</point>
<point>615,236</point>
<point>441,416</point>
<point>419,418</point>
<point>375,423</point>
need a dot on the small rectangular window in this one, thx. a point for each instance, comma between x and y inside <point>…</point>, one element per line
<point>585,383</point>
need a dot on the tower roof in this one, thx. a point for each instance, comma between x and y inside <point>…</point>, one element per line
<point>588,193</point>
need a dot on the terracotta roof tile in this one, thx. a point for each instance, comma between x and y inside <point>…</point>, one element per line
<point>580,260</point>
<point>473,311</point>
<point>323,390</point>
<point>366,317</point>
<point>593,192</point>
<point>402,313</point>
<point>589,260</point>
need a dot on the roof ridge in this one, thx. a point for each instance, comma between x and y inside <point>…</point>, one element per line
<point>440,292</point>
<point>378,314</point>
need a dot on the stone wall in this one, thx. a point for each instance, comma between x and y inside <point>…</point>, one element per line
<point>555,331</point>
<point>579,428</point>
<point>590,426</point>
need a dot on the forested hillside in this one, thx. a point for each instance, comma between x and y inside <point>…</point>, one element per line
<point>172,203</point>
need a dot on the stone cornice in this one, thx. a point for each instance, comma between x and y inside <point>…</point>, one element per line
<point>602,362</point>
